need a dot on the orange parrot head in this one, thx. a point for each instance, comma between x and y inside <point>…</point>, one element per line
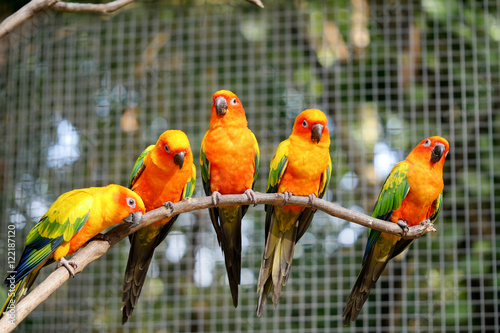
<point>227,109</point>
<point>172,151</point>
<point>433,149</point>
<point>311,125</point>
<point>123,204</point>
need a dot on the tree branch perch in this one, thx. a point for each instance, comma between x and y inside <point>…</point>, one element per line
<point>35,6</point>
<point>97,248</point>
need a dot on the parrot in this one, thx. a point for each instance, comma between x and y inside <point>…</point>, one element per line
<point>229,163</point>
<point>163,174</point>
<point>411,194</point>
<point>72,220</point>
<point>301,166</point>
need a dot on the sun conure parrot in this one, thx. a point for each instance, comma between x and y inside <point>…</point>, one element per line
<point>73,219</point>
<point>301,166</point>
<point>411,194</point>
<point>163,174</point>
<point>229,165</point>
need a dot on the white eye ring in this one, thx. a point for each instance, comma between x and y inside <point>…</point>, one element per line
<point>446,155</point>
<point>234,102</point>
<point>131,202</point>
<point>427,143</point>
<point>304,123</point>
<point>167,149</point>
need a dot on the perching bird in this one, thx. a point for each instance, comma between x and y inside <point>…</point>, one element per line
<point>73,219</point>
<point>163,174</point>
<point>412,193</point>
<point>229,165</point>
<point>301,166</point>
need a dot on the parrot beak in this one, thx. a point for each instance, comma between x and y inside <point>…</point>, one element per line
<point>437,152</point>
<point>134,218</point>
<point>179,159</point>
<point>220,106</point>
<point>316,132</point>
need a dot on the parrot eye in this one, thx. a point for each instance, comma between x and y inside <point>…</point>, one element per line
<point>304,124</point>
<point>427,143</point>
<point>234,102</point>
<point>166,148</point>
<point>131,202</point>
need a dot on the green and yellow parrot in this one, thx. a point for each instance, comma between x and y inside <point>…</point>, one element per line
<point>163,174</point>
<point>411,194</point>
<point>71,221</point>
<point>301,166</point>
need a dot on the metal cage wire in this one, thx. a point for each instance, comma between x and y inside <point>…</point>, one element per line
<point>83,95</point>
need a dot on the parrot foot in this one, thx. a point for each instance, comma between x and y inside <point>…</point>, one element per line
<point>312,197</point>
<point>68,264</point>
<point>425,226</point>
<point>404,225</point>
<point>251,195</point>
<point>286,196</point>
<point>216,198</point>
<point>169,205</point>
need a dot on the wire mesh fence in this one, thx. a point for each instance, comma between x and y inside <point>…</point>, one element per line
<point>83,95</point>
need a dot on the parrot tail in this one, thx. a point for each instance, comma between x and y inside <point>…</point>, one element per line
<point>20,289</point>
<point>367,277</point>
<point>230,242</point>
<point>276,264</point>
<point>139,259</point>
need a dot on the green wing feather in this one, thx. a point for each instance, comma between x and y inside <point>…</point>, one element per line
<point>190,185</point>
<point>325,179</point>
<point>277,169</point>
<point>393,192</point>
<point>256,157</point>
<point>139,165</point>
<point>438,204</point>
<point>205,169</point>
<point>63,220</point>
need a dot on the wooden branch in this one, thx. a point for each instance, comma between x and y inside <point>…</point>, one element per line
<point>103,8</point>
<point>257,3</point>
<point>98,247</point>
<point>35,6</point>
<point>25,13</point>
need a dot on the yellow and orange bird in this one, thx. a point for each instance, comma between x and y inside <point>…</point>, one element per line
<point>229,165</point>
<point>301,166</point>
<point>163,174</point>
<point>411,194</point>
<point>71,221</point>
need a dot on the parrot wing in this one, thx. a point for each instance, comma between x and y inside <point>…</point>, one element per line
<point>244,208</point>
<point>256,157</point>
<point>379,247</point>
<point>393,192</point>
<point>278,167</point>
<point>205,179</point>
<point>436,208</point>
<point>61,222</point>
<point>139,166</point>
